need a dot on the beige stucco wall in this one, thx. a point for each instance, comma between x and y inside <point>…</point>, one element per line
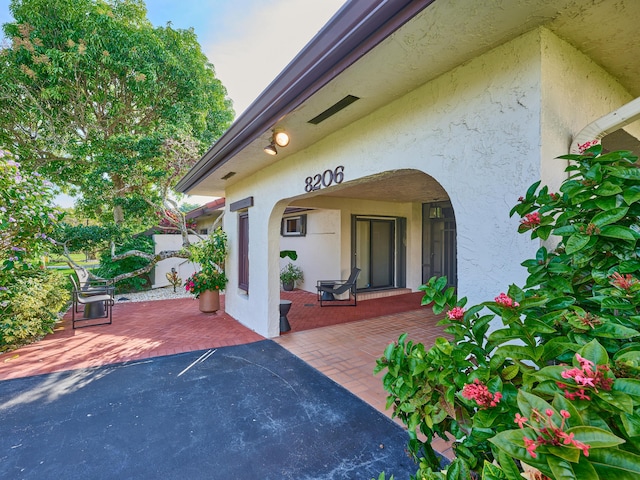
<point>478,130</point>
<point>183,266</point>
<point>317,250</point>
<point>575,92</point>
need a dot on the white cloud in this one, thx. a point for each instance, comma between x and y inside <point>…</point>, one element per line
<point>262,42</point>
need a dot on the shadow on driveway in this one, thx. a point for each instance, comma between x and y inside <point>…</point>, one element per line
<point>248,411</point>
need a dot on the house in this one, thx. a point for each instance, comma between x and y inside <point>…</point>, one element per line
<point>207,216</point>
<point>414,127</point>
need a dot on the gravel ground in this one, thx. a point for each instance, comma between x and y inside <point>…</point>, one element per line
<point>163,293</point>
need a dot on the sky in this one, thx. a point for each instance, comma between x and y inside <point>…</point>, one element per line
<point>249,42</point>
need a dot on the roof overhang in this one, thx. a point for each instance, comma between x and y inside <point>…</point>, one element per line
<point>379,50</point>
<point>353,31</point>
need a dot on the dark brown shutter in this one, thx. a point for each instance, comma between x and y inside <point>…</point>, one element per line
<point>243,261</point>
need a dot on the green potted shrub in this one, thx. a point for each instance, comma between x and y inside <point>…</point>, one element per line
<point>207,283</point>
<point>289,275</point>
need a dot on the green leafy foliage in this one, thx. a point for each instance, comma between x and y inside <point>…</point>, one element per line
<point>109,268</point>
<point>555,387</point>
<point>105,104</point>
<point>27,216</point>
<point>210,254</point>
<point>29,306</point>
<point>30,299</point>
<point>291,273</point>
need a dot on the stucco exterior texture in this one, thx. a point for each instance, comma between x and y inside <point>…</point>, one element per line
<point>478,135</point>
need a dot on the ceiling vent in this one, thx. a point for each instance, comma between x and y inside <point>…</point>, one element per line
<point>332,110</point>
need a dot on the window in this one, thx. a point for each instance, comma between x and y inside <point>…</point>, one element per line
<point>243,251</point>
<point>204,231</point>
<point>294,226</point>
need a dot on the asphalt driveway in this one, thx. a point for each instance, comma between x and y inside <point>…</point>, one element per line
<point>242,412</point>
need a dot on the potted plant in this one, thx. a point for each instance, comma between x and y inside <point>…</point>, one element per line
<point>289,275</point>
<point>207,283</point>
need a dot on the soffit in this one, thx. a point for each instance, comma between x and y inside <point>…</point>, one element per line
<point>444,35</point>
<point>403,186</point>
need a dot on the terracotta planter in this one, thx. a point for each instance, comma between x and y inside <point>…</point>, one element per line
<point>209,301</point>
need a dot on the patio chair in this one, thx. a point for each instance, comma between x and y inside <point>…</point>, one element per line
<point>89,286</point>
<point>95,305</point>
<point>329,289</point>
<point>86,283</point>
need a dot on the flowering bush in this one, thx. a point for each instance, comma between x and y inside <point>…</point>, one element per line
<point>27,217</point>
<point>201,281</point>
<point>210,253</point>
<point>554,391</point>
<point>29,299</point>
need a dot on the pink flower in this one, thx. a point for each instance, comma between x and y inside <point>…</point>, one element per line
<point>570,373</point>
<point>586,145</point>
<point>623,282</point>
<point>585,381</point>
<point>584,362</point>
<point>585,376</point>
<point>506,301</point>
<point>531,220</point>
<point>582,446</point>
<point>581,395</point>
<point>479,392</point>
<point>568,437</point>
<point>520,420</point>
<point>549,433</point>
<point>456,313</point>
<point>530,446</point>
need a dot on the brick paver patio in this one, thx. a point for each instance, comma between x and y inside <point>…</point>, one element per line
<point>341,342</point>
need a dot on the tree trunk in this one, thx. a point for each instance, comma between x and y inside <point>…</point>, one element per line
<point>118,215</point>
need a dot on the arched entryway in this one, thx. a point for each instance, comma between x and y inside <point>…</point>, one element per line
<point>398,227</point>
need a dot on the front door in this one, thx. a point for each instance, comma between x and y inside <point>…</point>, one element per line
<point>375,252</point>
<point>439,251</point>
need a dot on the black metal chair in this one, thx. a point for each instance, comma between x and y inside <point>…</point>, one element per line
<point>95,305</point>
<point>329,289</point>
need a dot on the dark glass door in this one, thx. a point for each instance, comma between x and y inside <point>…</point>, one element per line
<point>439,251</point>
<point>374,252</point>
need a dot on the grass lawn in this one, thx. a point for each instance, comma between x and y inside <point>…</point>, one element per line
<point>79,258</point>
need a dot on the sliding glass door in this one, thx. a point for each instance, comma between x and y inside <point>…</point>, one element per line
<point>374,252</point>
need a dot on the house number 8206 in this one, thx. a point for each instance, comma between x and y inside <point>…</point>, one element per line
<point>324,179</point>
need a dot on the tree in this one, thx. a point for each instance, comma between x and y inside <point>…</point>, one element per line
<point>104,104</point>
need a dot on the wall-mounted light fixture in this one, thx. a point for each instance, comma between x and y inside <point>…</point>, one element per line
<point>271,149</point>
<point>279,138</point>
